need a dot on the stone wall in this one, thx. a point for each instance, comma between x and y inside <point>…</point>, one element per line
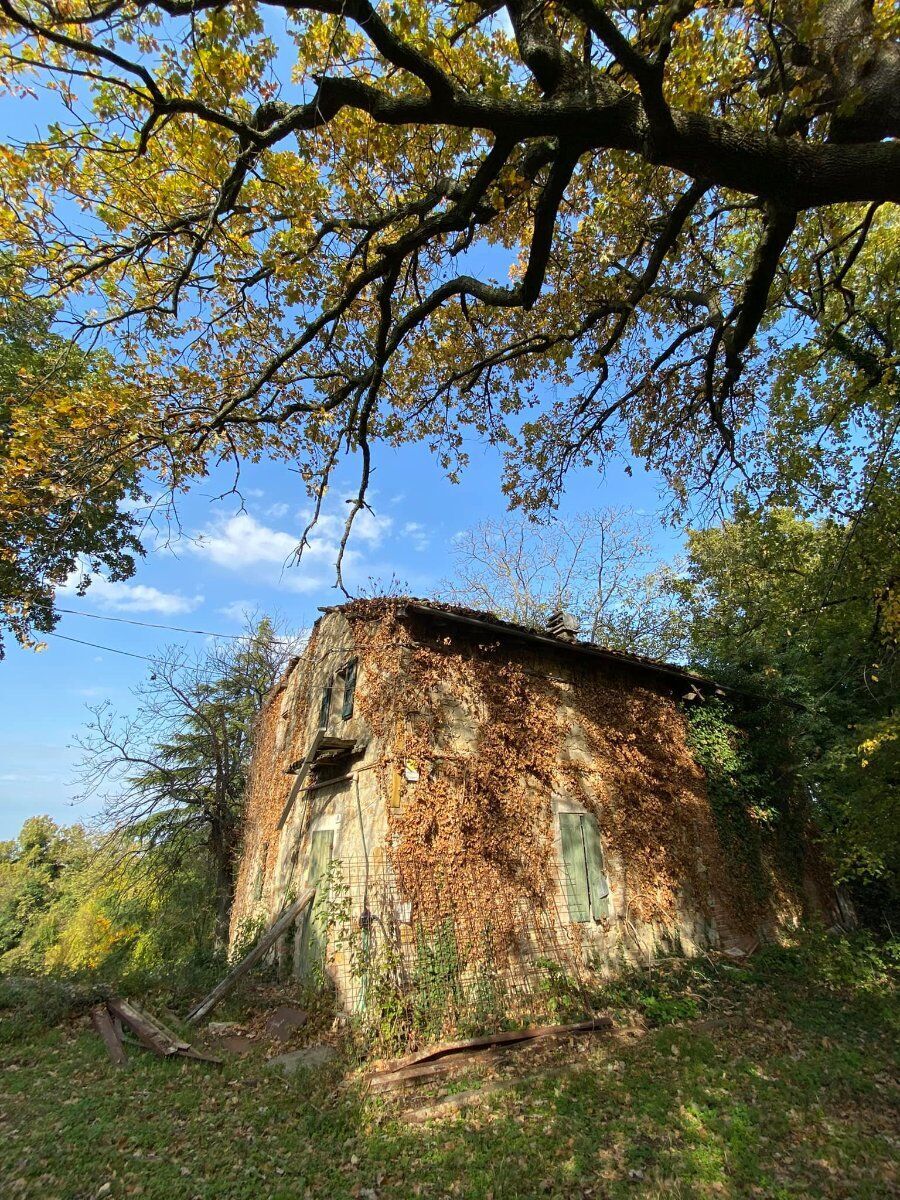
<point>469,746</point>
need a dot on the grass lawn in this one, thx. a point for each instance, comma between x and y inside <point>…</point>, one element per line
<point>778,1079</point>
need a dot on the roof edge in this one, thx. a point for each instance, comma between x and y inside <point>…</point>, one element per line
<point>585,649</point>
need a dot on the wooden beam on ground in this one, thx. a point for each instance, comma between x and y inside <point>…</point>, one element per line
<point>104,1025</point>
<point>150,1031</point>
<point>281,924</point>
<point>506,1038</point>
<point>422,1073</point>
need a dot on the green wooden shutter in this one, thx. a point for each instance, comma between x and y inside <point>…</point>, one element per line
<point>587,888</point>
<point>575,867</point>
<point>320,847</point>
<point>311,956</point>
<point>598,884</point>
<point>349,689</point>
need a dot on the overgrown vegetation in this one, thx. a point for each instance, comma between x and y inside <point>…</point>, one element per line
<point>805,614</point>
<point>760,811</point>
<point>142,900</point>
<point>89,910</point>
<point>173,772</point>
<point>776,1078</point>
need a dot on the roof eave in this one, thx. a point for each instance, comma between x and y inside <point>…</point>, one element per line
<point>584,649</point>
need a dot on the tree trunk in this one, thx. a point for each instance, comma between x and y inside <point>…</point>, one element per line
<point>222,852</point>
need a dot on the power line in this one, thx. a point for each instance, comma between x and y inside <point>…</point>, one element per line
<point>97,646</point>
<point>146,657</point>
<point>236,637</point>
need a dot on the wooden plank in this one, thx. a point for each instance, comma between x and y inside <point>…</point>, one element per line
<point>451,1104</point>
<point>154,1034</point>
<point>191,1052</point>
<point>506,1038</point>
<point>389,1081</point>
<point>299,777</point>
<point>268,939</point>
<point>164,1030</point>
<point>103,1023</point>
<point>148,1031</point>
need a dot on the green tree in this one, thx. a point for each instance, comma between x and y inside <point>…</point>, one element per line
<point>33,873</point>
<point>172,775</point>
<point>567,226</point>
<point>63,476</point>
<point>87,903</point>
<point>808,611</point>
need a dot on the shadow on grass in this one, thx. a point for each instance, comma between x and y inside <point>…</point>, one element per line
<point>787,1088</point>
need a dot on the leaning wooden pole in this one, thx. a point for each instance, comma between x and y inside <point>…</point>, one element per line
<point>268,939</point>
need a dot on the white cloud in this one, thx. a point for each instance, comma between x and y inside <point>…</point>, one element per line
<point>277,510</point>
<point>417,534</point>
<point>135,597</point>
<point>238,610</point>
<point>371,527</point>
<point>243,542</point>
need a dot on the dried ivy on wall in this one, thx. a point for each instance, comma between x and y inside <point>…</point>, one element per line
<point>649,796</point>
<point>472,837</point>
<point>479,821</point>
<point>471,739</point>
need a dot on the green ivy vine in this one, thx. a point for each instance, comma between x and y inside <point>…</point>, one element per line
<point>751,788</point>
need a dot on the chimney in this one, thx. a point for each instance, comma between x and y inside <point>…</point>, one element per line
<point>564,626</point>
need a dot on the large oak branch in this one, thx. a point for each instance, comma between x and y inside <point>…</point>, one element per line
<point>792,174</point>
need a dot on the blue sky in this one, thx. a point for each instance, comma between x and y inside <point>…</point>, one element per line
<point>226,560</point>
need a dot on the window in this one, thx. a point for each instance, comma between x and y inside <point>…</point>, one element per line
<point>587,889</point>
<point>349,677</point>
<point>325,707</point>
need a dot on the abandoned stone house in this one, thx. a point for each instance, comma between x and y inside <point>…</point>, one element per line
<point>534,795</point>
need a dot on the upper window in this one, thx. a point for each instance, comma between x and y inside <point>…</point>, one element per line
<point>587,888</point>
<point>325,706</point>
<point>349,676</point>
